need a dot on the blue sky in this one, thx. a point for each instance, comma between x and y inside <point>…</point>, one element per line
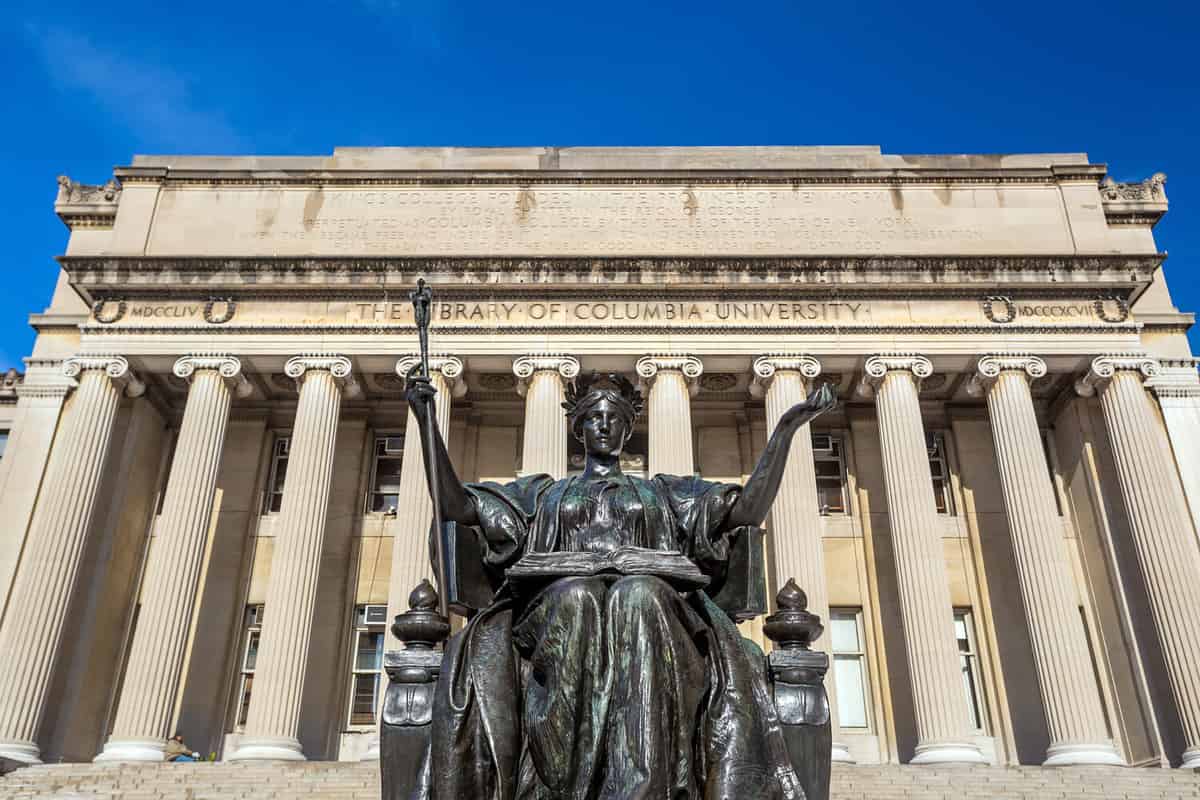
<point>89,84</point>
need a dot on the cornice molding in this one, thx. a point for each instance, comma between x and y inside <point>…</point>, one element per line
<point>1177,379</point>
<point>229,367</point>
<point>648,367</point>
<point>1104,368</point>
<point>766,367</point>
<point>524,368</point>
<point>340,367</point>
<point>114,366</point>
<point>988,369</point>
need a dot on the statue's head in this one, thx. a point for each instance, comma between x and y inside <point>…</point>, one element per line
<point>602,409</point>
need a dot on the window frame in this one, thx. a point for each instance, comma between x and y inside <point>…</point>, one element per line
<point>252,626</point>
<point>970,665</point>
<point>935,450</point>
<point>859,656</point>
<point>283,441</point>
<point>838,457</point>
<point>361,624</point>
<point>376,456</point>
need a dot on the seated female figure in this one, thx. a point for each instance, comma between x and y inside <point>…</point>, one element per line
<point>606,686</point>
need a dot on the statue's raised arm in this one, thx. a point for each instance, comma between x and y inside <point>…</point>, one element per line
<point>756,499</point>
<point>456,503</point>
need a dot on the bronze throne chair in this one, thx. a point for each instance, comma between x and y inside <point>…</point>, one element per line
<point>795,673</point>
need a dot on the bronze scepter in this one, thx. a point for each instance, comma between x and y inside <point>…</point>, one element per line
<point>422,300</point>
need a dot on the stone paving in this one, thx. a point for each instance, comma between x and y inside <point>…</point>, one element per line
<point>351,781</point>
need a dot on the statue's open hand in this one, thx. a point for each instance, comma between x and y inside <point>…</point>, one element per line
<point>419,392</point>
<point>823,399</point>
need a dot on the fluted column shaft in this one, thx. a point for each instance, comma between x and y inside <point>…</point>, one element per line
<point>1070,696</point>
<point>545,439</point>
<point>1178,390</point>
<point>671,380</point>
<point>1160,526</point>
<point>939,703</point>
<point>273,720</point>
<point>146,707</point>
<point>31,636</point>
<point>410,541</point>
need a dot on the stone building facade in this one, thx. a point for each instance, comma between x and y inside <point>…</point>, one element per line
<point>213,502</point>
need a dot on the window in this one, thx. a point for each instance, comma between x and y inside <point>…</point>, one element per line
<point>366,662</point>
<point>968,662</point>
<point>250,641</point>
<point>166,476</point>
<point>849,666</point>
<point>830,467</point>
<point>385,474</point>
<point>935,443</point>
<point>279,462</point>
<point>3,442</point>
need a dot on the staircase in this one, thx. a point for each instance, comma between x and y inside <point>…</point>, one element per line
<point>324,780</point>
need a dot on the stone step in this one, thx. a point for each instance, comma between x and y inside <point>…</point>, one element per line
<point>352,781</point>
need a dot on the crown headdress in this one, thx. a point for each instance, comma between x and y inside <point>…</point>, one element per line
<point>612,383</point>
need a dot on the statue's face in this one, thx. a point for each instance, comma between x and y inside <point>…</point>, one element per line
<point>604,429</point>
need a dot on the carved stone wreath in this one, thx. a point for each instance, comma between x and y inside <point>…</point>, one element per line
<point>1102,311</point>
<point>989,309</point>
<point>230,310</point>
<point>718,382</point>
<point>98,312</point>
<point>498,381</point>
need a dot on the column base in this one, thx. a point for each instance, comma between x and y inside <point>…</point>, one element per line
<point>948,753</point>
<point>25,752</point>
<point>1191,758</point>
<point>268,748</point>
<point>1071,755</point>
<point>132,750</point>
<point>841,754</point>
<point>372,753</point>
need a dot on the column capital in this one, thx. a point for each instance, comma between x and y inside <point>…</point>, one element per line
<point>338,366</point>
<point>1177,379</point>
<point>988,369</point>
<point>878,366</point>
<point>765,367</point>
<point>451,367</point>
<point>524,367</point>
<point>1102,370</point>
<point>116,367</point>
<point>228,366</point>
<point>648,367</point>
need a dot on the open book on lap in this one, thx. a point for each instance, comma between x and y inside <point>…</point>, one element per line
<point>670,565</point>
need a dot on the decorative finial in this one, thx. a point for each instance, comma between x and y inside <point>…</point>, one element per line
<point>421,627</point>
<point>793,627</point>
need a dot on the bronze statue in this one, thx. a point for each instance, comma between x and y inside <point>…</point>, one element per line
<point>603,666</point>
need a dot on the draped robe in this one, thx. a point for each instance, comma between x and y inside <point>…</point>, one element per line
<point>611,687</point>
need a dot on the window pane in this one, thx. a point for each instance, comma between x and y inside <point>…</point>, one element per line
<point>387,475</point>
<point>843,633</point>
<point>362,705</point>
<point>828,469</point>
<point>960,633</point>
<point>971,688</point>
<point>244,705</point>
<point>370,651</point>
<point>851,691</point>
<point>280,475</point>
<point>384,502</point>
<point>251,651</point>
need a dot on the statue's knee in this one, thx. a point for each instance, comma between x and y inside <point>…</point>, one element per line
<point>636,592</point>
<point>579,593</point>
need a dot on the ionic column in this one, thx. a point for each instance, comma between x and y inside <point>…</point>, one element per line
<point>1159,524</point>
<point>671,380</point>
<point>939,703</point>
<point>147,703</point>
<point>410,542</point>
<point>274,717</point>
<point>540,381</point>
<point>1074,716</point>
<point>796,524</point>
<point>1178,391</point>
<point>31,636</point>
